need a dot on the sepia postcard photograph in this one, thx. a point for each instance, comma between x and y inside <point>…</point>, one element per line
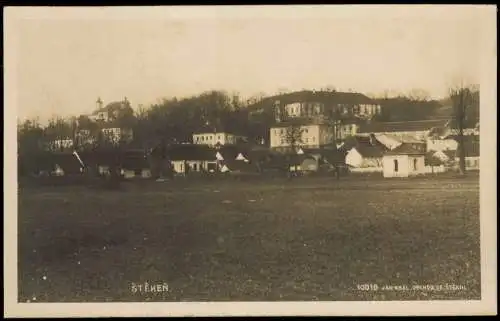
<point>250,160</point>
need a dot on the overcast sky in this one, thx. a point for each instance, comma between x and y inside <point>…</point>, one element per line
<point>66,59</point>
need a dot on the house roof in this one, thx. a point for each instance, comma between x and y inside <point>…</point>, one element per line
<point>300,121</point>
<point>240,166</point>
<point>326,97</point>
<point>367,146</point>
<point>405,149</point>
<point>400,138</point>
<point>190,152</point>
<point>370,151</point>
<point>333,156</point>
<point>406,126</point>
<point>230,152</point>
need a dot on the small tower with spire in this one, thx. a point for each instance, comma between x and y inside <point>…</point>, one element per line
<point>99,103</point>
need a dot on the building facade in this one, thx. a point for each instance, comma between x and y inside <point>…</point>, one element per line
<point>306,135</point>
<point>115,134</point>
<point>404,161</point>
<point>403,165</point>
<point>216,138</point>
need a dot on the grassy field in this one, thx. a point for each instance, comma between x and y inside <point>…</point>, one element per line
<point>299,239</point>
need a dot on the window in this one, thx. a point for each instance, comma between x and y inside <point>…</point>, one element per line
<point>306,131</point>
<point>195,167</point>
<point>281,131</point>
<point>395,165</point>
<point>414,164</point>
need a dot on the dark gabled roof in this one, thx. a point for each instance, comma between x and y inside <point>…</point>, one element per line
<point>334,156</point>
<point>405,149</point>
<point>367,146</point>
<point>406,126</point>
<point>257,152</point>
<point>370,151</point>
<point>300,121</point>
<point>326,97</point>
<point>208,129</point>
<point>274,161</point>
<point>190,152</point>
<point>240,166</point>
<point>230,151</point>
<point>353,141</point>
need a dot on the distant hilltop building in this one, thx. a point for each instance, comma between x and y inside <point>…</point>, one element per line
<point>108,119</point>
<point>326,106</point>
<point>324,117</point>
<point>109,112</point>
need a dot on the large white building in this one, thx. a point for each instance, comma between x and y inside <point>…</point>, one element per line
<point>216,138</point>
<point>306,135</point>
<point>325,105</point>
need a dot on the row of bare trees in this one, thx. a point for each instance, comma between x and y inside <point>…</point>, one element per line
<point>174,120</point>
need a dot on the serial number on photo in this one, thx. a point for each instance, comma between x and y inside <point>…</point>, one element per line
<point>414,287</point>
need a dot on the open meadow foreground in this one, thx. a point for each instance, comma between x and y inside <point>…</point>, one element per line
<point>259,240</point>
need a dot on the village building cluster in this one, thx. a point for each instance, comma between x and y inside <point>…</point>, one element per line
<point>307,137</point>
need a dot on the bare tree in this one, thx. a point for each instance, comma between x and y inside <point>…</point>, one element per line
<point>463,98</point>
<point>292,136</point>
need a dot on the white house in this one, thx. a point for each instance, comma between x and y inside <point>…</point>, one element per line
<point>364,159</point>
<point>404,161</point>
<point>216,138</point>
<point>115,134</point>
<point>192,158</point>
<point>363,154</point>
<point>308,135</point>
<point>62,143</point>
